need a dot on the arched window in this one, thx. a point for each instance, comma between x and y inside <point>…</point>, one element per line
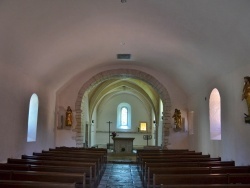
<point>215,115</point>
<point>32,119</point>
<point>124,116</point>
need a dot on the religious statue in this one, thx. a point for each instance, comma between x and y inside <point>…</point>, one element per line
<point>246,96</point>
<point>177,119</point>
<point>69,117</point>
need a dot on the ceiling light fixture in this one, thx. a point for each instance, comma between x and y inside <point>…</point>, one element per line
<point>123,1</point>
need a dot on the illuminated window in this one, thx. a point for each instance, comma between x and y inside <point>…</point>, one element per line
<point>124,116</point>
<point>215,115</point>
<point>32,119</point>
<point>143,126</point>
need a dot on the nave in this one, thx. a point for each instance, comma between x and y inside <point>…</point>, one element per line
<point>96,168</point>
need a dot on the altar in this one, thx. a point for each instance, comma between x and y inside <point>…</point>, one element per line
<point>123,144</point>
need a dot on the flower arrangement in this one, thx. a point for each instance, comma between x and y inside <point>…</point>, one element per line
<point>113,134</point>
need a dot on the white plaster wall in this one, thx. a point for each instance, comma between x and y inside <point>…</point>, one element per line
<point>234,144</point>
<point>16,90</point>
<point>108,112</point>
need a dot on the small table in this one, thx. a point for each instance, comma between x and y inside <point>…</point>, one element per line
<point>123,144</point>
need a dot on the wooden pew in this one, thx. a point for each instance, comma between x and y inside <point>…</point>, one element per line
<point>194,170</point>
<point>71,151</point>
<point>6,166</point>
<point>56,177</point>
<point>148,179</point>
<point>140,158</point>
<point>170,160</point>
<point>103,158</point>
<point>170,179</point>
<point>74,159</point>
<point>45,168</point>
<point>178,160</point>
<point>95,175</point>
<point>34,184</point>
<point>164,150</point>
<point>186,164</point>
<point>207,186</point>
<point>79,153</point>
<point>92,150</point>
<point>70,159</point>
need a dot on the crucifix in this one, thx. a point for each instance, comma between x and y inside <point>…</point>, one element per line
<point>109,122</point>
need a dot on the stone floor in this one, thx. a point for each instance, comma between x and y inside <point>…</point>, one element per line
<point>121,175</point>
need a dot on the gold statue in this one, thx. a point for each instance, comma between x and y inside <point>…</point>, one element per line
<point>177,119</point>
<point>246,93</point>
<point>68,119</point>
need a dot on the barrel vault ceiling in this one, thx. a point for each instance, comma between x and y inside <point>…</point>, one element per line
<point>190,41</point>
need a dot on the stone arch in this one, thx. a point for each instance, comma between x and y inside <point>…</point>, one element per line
<point>121,73</point>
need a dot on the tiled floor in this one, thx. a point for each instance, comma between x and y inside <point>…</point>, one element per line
<point>121,175</point>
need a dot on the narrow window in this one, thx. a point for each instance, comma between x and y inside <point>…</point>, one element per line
<point>32,118</point>
<point>124,116</point>
<point>215,115</point>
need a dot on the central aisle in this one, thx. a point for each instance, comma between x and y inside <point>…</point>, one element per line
<point>122,175</point>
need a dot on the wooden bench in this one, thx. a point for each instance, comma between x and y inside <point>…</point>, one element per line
<point>102,157</point>
<point>45,168</point>
<point>95,175</point>
<point>167,156</point>
<point>76,153</point>
<point>70,159</point>
<point>34,184</point>
<point>194,170</point>
<point>170,179</point>
<point>185,164</point>
<point>73,159</point>
<point>178,160</point>
<point>207,186</point>
<point>56,177</point>
<point>102,150</point>
<point>6,166</point>
<point>173,170</point>
<point>143,160</point>
<point>164,150</point>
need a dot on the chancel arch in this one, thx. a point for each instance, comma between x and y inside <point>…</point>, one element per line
<point>120,74</point>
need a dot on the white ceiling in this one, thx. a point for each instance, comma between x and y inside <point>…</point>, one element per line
<point>191,41</point>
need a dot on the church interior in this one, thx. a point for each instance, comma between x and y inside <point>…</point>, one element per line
<point>125,76</point>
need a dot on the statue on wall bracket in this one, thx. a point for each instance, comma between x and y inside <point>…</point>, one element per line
<point>69,118</point>
<point>177,120</point>
<point>246,96</point>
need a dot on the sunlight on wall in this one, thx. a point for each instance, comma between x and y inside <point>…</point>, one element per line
<point>32,119</point>
<point>215,115</point>
<point>191,122</point>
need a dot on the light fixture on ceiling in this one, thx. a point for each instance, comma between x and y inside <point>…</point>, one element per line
<point>123,1</point>
<point>123,56</point>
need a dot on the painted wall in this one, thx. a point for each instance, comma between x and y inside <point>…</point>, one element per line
<point>16,90</point>
<point>234,144</point>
